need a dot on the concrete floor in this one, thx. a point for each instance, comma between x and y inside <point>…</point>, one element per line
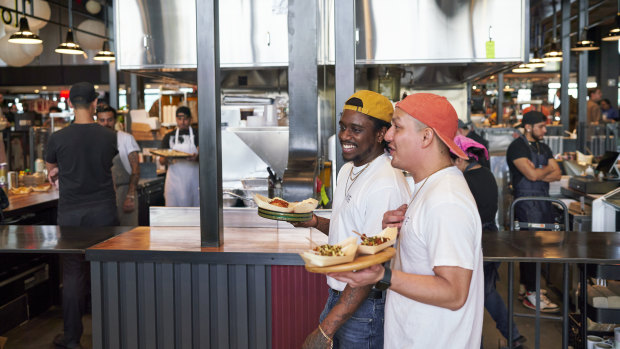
<point>39,332</point>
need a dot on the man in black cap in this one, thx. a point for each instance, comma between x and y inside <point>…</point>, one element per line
<point>181,187</point>
<point>532,168</point>
<point>78,159</point>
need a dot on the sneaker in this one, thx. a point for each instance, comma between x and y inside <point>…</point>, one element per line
<point>545,304</point>
<point>522,292</point>
<point>516,343</point>
<point>60,342</point>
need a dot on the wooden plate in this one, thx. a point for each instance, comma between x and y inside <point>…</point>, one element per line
<point>170,153</point>
<point>281,216</point>
<point>361,262</point>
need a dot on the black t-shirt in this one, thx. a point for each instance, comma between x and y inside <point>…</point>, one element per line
<point>83,153</point>
<point>484,189</point>
<point>519,149</point>
<point>165,143</point>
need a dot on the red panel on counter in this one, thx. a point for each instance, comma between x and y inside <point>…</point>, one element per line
<point>297,300</point>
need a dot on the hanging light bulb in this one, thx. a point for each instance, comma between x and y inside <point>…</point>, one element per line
<point>554,54</point>
<point>105,54</point>
<point>614,34</point>
<point>536,62</point>
<point>24,35</point>
<point>523,68</point>
<point>69,47</point>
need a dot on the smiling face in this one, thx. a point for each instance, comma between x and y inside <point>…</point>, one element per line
<point>360,142</point>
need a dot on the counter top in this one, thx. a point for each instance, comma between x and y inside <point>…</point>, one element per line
<point>25,203</point>
<point>281,246</point>
<point>258,245</point>
<point>53,239</point>
<point>552,246</point>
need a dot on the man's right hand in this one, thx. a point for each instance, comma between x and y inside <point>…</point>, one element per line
<point>312,223</point>
<point>52,177</point>
<point>395,217</point>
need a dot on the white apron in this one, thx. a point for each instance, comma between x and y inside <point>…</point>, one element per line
<point>181,188</point>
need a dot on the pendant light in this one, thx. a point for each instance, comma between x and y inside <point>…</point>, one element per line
<point>523,68</point>
<point>584,44</point>
<point>105,54</point>
<point>536,61</point>
<point>554,54</point>
<point>614,34</point>
<point>24,35</point>
<point>70,47</point>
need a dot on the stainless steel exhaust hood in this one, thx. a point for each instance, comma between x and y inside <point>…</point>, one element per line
<point>443,41</point>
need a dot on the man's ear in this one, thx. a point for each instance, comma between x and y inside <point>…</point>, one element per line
<point>427,137</point>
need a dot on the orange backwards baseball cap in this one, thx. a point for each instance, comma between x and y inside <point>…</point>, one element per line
<point>372,104</point>
<point>437,113</point>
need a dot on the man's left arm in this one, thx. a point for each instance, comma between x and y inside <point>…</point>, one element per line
<point>448,288</point>
<point>556,174</point>
<point>130,200</point>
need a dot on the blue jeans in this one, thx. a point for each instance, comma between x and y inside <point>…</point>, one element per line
<point>494,303</point>
<point>364,329</point>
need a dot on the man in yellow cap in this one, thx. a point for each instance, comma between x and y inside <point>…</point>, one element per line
<point>367,186</point>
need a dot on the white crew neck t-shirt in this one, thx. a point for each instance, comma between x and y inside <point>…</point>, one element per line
<point>441,228</point>
<point>359,205</point>
<point>126,145</point>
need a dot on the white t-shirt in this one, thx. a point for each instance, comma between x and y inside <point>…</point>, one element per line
<point>126,145</point>
<point>441,228</point>
<point>359,205</point>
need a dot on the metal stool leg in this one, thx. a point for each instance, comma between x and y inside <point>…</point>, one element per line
<point>537,320</point>
<point>511,270</point>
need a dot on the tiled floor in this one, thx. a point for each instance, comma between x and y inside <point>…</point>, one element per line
<point>39,332</point>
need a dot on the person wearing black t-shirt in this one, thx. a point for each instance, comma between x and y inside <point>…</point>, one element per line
<point>465,130</point>
<point>483,188</point>
<point>532,168</point>
<point>181,188</point>
<point>79,161</point>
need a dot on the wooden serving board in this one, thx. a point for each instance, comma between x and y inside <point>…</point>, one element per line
<point>166,153</point>
<point>361,262</point>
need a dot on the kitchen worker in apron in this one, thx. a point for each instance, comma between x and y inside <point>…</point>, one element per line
<point>532,168</point>
<point>182,176</point>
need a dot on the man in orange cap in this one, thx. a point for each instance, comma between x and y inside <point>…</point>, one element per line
<point>367,186</point>
<point>435,293</point>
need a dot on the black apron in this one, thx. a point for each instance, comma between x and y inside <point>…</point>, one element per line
<point>533,211</point>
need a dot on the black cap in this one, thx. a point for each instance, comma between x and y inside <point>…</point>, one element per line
<point>533,117</point>
<point>463,124</point>
<point>82,93</point>
<point>183,111</point>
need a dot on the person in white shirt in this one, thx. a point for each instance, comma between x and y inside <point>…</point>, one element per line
<point>435,293</point>
<point>125,168</point>
<point>367,186</point>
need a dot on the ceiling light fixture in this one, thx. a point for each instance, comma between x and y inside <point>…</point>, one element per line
<point>523,68</point>
<point>614,34</point>
<point>24,35</point>
<point>105,54</point>
<point>554,54</point>
<point>584,44</point>
<point>70,47</point>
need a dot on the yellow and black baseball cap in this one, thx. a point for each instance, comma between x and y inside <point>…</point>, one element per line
<point>372,104</point>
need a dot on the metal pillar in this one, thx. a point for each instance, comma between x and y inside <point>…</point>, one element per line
<point>302,169</point>
<point>136,92</point>
<point>344,25</point>
<point>582,79</point>
<point>565,69</point>
<point>113,85</point>
<point>500,97</point>
<point>209,123</point>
